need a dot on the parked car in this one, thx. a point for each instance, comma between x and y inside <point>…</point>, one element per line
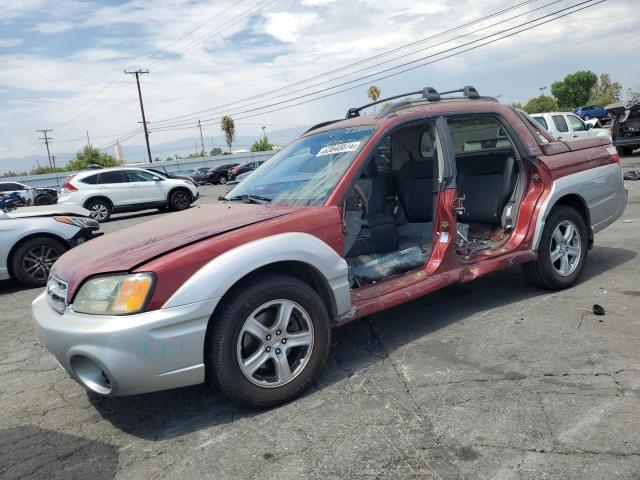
<point>32,239</point>
<point>31,196</point>
<point>626,126</point>
<point>245,167</point>
<point>243,176</point>
<point>200,176</point>
<point>220,175</point>
<point>567,126</point>
<point>115,190</point>
<point>590,111</point>
<point>354,217</point>
<point>163,173</point>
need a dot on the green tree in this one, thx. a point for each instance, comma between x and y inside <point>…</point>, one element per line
<point>575,89</point>
<point>215,151</point>
<point>262,145</point>
<point>45,169</point>
<point>89,155</point>
<point>541,104</point>
<point>228,126</point>
<point>605,92</point>
<point>517,105</point>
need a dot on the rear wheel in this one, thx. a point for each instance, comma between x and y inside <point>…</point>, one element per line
<point>99,210</point>
<point>32,261</point>
<point>179,200</point>
<point>269,341</point>
<point>562,252</point>
<point>44,199</point>
<point>222,179</point>
<point>586,117</point>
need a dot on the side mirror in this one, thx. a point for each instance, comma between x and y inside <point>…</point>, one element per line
<point>588,126</point>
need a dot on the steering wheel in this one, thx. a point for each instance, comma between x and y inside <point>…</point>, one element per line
<point>364,204</point>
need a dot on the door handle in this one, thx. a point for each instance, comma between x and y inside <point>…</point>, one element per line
<point>575,136</point>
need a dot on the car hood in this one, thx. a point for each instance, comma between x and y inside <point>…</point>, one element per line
<point>46,211</point>
<point>124,250</point>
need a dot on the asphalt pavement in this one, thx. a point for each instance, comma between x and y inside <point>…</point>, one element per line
<point>489,379</point>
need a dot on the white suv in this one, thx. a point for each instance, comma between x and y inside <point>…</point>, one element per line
<point>115,190</point>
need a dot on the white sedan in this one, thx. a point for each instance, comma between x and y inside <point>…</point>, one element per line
<point>32,239</point>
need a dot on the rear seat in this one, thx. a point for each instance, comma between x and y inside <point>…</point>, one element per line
<point>487,182</point>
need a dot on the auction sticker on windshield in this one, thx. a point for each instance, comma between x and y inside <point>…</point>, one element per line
<point>338,148</point>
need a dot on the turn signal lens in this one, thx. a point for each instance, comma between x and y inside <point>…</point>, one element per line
<point>131,295</point>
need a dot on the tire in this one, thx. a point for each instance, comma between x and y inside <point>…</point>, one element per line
<point>100,210</point>
<point>229,343</point>
<point>586,117</point>
<point>179,200</point>
<point>564,269</point>
<point>44,199</point>
<point>222,179</point>
<point>32,260</point>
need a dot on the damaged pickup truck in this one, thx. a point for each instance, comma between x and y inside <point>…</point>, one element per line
<point>356,216</point>
<point>626,126</point>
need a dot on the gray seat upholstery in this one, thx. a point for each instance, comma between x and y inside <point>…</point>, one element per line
<point>487,182</point>
<point>415,190</point>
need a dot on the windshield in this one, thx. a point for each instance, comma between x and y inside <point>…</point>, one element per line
<point>305,171</point>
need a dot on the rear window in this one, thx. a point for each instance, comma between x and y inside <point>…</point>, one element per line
<point>560,123</point>
<point>477,134</point>
<point>542,122</point>
<point>91,180</point>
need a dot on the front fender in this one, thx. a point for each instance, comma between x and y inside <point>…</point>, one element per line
<point>216,277</point>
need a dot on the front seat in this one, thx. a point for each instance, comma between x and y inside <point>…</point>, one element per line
<point>378,234</point>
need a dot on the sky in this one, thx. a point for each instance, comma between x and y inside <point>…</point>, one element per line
<point>62,62</point>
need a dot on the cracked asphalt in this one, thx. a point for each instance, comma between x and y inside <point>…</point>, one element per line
<point>489,379</point>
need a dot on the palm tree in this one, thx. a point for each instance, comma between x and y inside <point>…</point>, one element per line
<point>374,94</point>
<point>229,128</point>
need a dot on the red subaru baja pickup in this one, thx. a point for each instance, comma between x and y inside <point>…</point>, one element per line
<point>356,216</point>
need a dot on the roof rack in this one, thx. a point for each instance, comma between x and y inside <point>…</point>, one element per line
<point>429,94</point>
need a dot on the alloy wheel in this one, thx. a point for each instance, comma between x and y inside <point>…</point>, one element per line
<point>38,260</point>
<point>275,343</point>
<point>180,200</point>
<point>566,248</point>
<point>99,211</point>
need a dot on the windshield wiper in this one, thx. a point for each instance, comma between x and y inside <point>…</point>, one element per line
<point>249,199</point>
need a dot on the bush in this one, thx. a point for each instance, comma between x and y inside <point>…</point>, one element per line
<point>262,145</point>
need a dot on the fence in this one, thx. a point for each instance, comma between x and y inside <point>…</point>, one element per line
<point>55,180</point>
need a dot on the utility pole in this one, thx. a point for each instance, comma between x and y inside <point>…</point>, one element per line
<point>264,135</point>
<point>201,138</point>
<point>47,139</point>
<point>88,140</point>
<point>137,73</point>
<point>542,89</point>
<point>53,160</point>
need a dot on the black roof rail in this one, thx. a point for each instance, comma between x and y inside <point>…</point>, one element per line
<point>429,94</point>
<point>323,124</point>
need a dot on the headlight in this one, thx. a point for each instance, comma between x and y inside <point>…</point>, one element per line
<point>78,221</point>
<point>115,294</point>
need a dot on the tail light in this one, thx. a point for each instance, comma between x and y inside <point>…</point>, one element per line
<point>235,170</point>
<point>67,185</point>
<point>615,156</point>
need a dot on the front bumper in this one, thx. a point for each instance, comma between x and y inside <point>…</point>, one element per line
<point>127,355</point>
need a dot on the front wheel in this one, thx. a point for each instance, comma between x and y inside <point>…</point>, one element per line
<point>222,180</point>
<point>269,341</point>
<point>562,252</point>
<point>179,200</point>
<point>32,260</point>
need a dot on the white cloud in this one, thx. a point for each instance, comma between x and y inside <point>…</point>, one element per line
<point>10,42</point>
<point>308,38</point>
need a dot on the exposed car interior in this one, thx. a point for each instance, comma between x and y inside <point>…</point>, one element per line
<point>389,214</point>
<point>487,172</point>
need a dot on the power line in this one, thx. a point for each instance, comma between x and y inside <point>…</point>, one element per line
<point>360,62</point>
<point>137,73</point>
<point>416,61</point>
